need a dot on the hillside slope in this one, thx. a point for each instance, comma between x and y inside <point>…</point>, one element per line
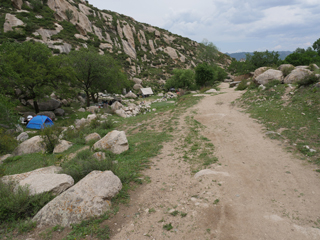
<point>145,51</point>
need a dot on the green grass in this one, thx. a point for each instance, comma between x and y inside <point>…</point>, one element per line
<point>298,117</point>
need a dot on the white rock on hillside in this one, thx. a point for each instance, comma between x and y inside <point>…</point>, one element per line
<point>259,71</point>
<point>296,75</point>
<point>172,52</point>
<point>32,145</point>
<point>23,137</point>
<point>137,80</point>
<point>283,66</point>
<point>269,75</point>
<point>92,136</point>
<point>17,4</point>
<point>116,141</point>
<point>41,183</point>
<point>62,146</point>
<point>88,198</point>
<point>10,22</point>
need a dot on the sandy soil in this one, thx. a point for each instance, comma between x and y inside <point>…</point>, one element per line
<point>259,190</point>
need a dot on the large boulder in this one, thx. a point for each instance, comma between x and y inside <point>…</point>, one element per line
<point>62,146</point>
<point>269,75</point>
<point>137,86</point>
<point>41,183</point>
<point>283,66</point>
<point>59,112</point>
<point>120,113</point>
<point>17,4</point>
<point>116,106</point>
<point>32,145</point>
<point>171,52</point>
<point>49,105</point>
<point>137,80</point>
<point>116,141</point>
<point>259,71</point>
<point>88,198</point>
<point>297,75</point>
<point>130,95</point>
<point>92,137</point>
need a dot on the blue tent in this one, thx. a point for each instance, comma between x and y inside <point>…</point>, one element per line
<point>40,122</point>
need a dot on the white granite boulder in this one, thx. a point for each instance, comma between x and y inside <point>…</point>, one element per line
<point>32,145</point>
<point>92,136</point>
<point>116,141</point>
<point>23,137</point>
<point>62,146</point>
<point>269,75</point>
<point>297,75</point>
<point>88,198</point>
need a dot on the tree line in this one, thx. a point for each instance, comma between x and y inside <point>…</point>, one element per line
<point>272,59</point>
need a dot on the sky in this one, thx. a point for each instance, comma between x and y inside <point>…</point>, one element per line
<point>232,25</point>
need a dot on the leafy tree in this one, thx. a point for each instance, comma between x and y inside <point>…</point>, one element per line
<point>303,57</point>
<point>69,14</point>
<point>204,74</point>
<point>182,78</point>
<point>8,115</point>
<point>207,52</point>
<point>262,59</point>
<point>239,68</point>
<point>36,72</point>
<point>316,46</point>
<point>94,72</point>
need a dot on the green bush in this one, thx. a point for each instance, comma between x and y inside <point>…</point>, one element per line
<point>242,85</point>
<point>309,80</point>
<point>84,163</point>
<point>287,70</point>
<point>50,137</point>
<point>7,143</point>
<point>17,203</point>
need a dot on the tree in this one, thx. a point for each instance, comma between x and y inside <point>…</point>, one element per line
<point>69,14</point>
<point>262,59</point>
<point>207,52</point>
<point>316,46</point>
<point>303,58</point>
<point>204,74</point>
<point>182,78</point>
<point>36,72</point>
<point>8,115</point>
<point>94,72</point>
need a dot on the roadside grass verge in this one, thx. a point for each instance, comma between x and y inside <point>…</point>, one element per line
<point>295,117</point>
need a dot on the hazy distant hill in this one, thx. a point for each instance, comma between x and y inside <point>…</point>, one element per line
<point>240,55</point>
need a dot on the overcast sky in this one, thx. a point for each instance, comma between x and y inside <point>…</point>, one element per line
<point>232,25</point>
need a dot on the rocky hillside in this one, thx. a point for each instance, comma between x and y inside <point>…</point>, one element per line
<point>145,51</point>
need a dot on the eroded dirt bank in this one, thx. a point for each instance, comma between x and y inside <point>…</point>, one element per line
<point>257,190</point>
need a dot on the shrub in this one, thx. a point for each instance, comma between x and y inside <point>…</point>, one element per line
<point>242,85</point>
<point>272,84</point>
<point>7,143</point>
<point>84,163</point>
<point>50,137</point>
<point>309,80</point>
<point>287,70</point>
<point>16,204</point>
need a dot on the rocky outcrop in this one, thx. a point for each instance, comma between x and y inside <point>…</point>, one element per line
<point>115,141</point>
<point>11,21</point>
<point>137,80</point>
<point>137,86</point>
<point>172,52</point>
<point>88,198</point>
<point>23,137</point>
<point>17,4</point>
<point>297,75</point>
<point>32,145</point>
<point>269,75</point>
<point>130,95</point>
<point>259,71</point>
<point>128,49</point>
<point>284,66</point>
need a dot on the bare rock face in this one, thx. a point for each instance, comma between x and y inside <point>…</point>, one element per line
<point>127,31</point>
<point>92,136</point>
<point>88,198</point>
<point>128,49</point>
<point>153,50</point>
<point>54,183</point>
<point>116,141</point>
<point>142,38</point>
<point>62,146</point>
<point>269,75</point>
<point>10,22</point>
<point>79,19</point>
<point>98,32</point>
<point>172,52</point>
<point>17,4</point>
<point>297,75</point>
<point>32,145</point>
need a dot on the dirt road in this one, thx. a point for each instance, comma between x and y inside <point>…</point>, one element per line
<point>256,191</point>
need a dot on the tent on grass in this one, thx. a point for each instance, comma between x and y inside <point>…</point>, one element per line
<point>40,122</point>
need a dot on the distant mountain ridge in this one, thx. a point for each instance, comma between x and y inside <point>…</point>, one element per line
<point>240,55</point>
